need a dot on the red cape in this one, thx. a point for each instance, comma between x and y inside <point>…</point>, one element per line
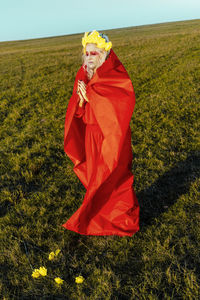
<point>110,206</point>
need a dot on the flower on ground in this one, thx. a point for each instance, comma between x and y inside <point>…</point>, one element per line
<point>42,271</point>
<point>79,279</point>
<point>51,256</point>
<point>58,280</point>
<point>36,273</point>
<point>57,252</point>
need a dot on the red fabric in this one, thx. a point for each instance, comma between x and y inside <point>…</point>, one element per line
<point>97,139</point>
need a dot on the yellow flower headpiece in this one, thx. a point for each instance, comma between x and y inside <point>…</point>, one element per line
<point>95,38</point>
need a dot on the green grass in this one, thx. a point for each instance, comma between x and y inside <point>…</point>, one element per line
<point>39,190</point>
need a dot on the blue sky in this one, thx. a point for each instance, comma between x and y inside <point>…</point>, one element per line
<point>27,19</point>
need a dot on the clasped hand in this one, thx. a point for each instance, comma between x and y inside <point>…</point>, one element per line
<point>81,91</point>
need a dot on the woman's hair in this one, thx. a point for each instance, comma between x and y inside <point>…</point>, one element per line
<point>102,57</point>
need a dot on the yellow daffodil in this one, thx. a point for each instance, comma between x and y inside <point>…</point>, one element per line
<point>36,273</point>
<point>57,252</point>
<point>42,271</point>
<point>58,280</point>
<point>51,256</point>
<point>79,279</point>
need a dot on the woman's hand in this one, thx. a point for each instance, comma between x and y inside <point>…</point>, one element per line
<point>81,91</point>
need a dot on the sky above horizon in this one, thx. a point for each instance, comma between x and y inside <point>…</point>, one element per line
<point>28,19</point>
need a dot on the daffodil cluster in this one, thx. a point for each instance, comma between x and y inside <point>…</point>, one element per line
<point>42,271</point>
<point>95,38</point>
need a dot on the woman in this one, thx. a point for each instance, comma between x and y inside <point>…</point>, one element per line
<point>97,139</point>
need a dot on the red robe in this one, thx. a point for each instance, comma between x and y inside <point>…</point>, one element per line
<point>97,138</point>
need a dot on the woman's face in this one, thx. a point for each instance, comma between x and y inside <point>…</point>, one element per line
<point>93,56</point>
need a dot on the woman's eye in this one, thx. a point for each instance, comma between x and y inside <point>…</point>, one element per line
<point>92,53</point>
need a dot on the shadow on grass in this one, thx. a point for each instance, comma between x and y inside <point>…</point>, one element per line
<point>164,192</point>
<point>153,201</point>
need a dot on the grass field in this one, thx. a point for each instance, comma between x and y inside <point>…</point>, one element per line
<point>39,190</point>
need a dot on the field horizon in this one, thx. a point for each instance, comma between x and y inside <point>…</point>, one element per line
<point>39,190</point>
<point>106,30</point>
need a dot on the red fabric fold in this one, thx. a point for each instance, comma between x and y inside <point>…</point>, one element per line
<point>97,139</point>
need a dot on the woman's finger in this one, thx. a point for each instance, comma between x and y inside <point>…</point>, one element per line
<point>82,83</point>
<point>81,100</point>
<point>82,87</point>
<point>86,98</point>
<point>83,90</point>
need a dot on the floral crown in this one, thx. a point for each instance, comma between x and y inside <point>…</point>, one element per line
<point>94,37</point>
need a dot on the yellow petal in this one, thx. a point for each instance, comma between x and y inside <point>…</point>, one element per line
<point>36,273</point>
<point>43,271</point>
<point>79,279</point>
<point>51,255</point>
<point>57,252</point>
<point>58,280</point>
